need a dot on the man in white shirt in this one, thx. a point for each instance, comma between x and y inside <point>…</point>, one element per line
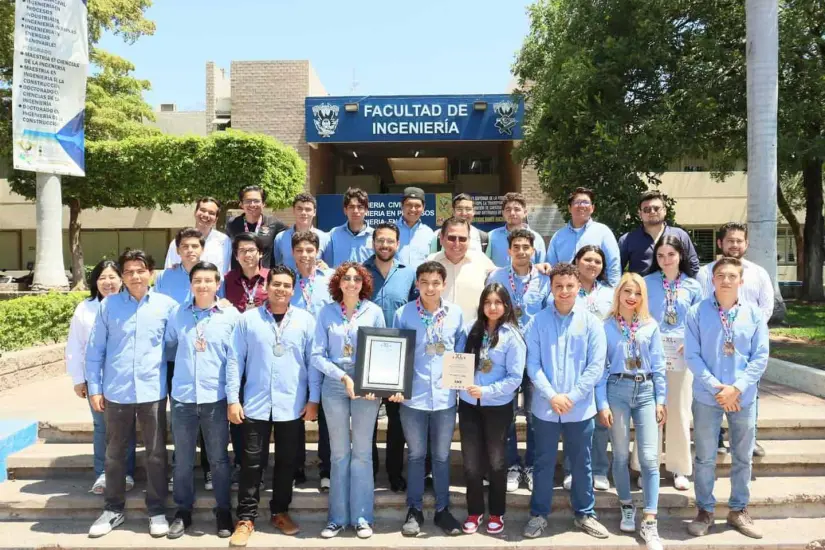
<point>218,247</point>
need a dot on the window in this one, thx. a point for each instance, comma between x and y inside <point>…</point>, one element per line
<point>785,246</point>
<point>705,243</point>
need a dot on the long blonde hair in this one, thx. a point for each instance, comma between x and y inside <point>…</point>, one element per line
<point>641,308</point>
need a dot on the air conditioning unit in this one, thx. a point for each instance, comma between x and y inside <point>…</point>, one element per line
<point>168,107</point>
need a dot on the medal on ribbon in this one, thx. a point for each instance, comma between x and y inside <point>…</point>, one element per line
<point>486,363</point>
<point>671,292</point>
<point>349,350</point>
<point>632,361</point>
<point>727,319</point>
<point>306,289</point>
<point>250,292</point>
<point>434,325</point>
<point>518,297</point>
<point>200,329</point>
<point>590,297</point>
<point>278,329</point>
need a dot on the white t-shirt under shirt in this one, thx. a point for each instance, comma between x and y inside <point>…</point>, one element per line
<point>217,250</point>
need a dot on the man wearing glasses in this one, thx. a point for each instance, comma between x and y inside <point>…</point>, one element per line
<point>351,242</point>
<point>253,220</point>
<point>636,247</point>
<point>464,208</point>
<point>583,230</point>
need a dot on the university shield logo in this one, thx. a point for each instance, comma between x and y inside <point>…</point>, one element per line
<point>505,116</point>
<point>325,117</point>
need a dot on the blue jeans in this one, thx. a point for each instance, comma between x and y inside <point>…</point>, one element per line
<point>513,458</point>
<point>637,401</point>
<point>351,492</point>
<point>417,425</point>
<point>598,454</point>
<point>99,445</point>
<point>578,438</point>
<point>707,421</point>
<point>187,420</point>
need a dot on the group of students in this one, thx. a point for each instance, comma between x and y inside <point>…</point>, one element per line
<point>253,333</point>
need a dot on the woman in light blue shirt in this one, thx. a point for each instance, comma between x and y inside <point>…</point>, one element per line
<point>351,498</point>
<point>634,388</point>
<point>672,293</point>
<point>485,408</point>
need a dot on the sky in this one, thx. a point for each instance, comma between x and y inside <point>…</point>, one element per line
<point>383,47</point>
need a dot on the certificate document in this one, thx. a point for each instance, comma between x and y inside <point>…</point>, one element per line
<point>674,360</point>
<point>458,371</point>
<point>385,358</point>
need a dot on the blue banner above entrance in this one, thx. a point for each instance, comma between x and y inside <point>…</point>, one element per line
<point>489,117</point>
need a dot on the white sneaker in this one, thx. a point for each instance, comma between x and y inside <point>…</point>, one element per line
<point>158,526</point>
<point>363,529</point>
<point>130,483</point>
<point>650,534</point>
<point>99,486</point>
<point>568,482</point>
<point>628,523</point>
<point>171,485</point>
<point>207,481</point>
<point>324,487</point>
<point>513,478</point>
<point>331,530</point>
<point>680,482</point>
<point>105,523</point>
<point>528,478</point>
<point>601,483</point>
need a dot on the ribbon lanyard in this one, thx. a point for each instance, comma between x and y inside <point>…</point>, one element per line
<point>434,325</point>
<point>727,319</point>
<point>518,297</point>
<point>306,289</point>
<point>257,225</point>
<point>671,292</point>
<point>632,361</point>
<point>590,297</point>
<point>250,292</point>
<point>484,354</point>
<point>278,329</point>
<point>348,324</point>
<point>200,328</point>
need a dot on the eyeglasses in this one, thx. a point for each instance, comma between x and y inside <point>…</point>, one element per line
<point>381,242</point>
<point>649,209</point>
<point>252,202</point>
<point>582,203</point>
<point>352,279</point>
<point>457,239</point>
<point>463,209</point>
<point>246,251</point>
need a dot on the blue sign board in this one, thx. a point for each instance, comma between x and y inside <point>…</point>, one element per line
<point>487,117</point>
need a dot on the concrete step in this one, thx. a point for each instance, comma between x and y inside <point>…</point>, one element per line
<point>783,534</point>
<point>771,497</point>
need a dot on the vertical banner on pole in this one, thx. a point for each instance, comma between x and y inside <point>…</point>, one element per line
<point>51,58</point>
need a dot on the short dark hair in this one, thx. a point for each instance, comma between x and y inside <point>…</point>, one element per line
<point>732,226</point>
<point>280,269</point>
<point>650,195</point>
<point>246,238</point>
<point>463,197</point>
<point>389,227</point>
<point>136,255</point>
<point>309,236</point>
<point>304,197</point>
<point>207,199</point>
<point>335,291</point>
<point>431,267</point>
<point>358,194</point>
<point>205,266</point>
<point>521,234</point>
<point>563,268</point>
<point>514,197</point>
<point>97,271</point>
<point>727,260</point>
<point>250,188</point>
<point>598,250</point>
<point>454,220</point>
<point>189,233</point>
<point>581,191</point>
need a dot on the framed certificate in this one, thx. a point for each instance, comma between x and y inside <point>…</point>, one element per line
<point>384,361</point>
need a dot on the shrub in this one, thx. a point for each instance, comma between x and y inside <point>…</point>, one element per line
<point>32,320</point>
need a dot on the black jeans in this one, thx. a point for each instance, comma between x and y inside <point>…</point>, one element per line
<point>484,451</point>
<point>256,436</point>
<point>395,442</point>
<point>236,436</point>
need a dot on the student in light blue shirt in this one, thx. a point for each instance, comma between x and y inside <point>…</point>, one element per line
<point>485,408</point>
<point>726,349</point>
<point>634,388</point>
<point>126,379</point>
<point>583,230</point>
<point>304,207</point>
<point>415,237</point>
<point>529,292</point>
<point>429,416</point>
<point>351,242</point>
<point>174,282</point>
<point>514,210</point>
<point>201,331</point>
<point>565,360</point>
<point>272,350</point>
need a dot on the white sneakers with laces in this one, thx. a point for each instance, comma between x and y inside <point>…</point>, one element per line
<point>628,523</point>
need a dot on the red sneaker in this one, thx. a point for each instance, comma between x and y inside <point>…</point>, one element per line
<point>495,525</point>
<point>472,523</point>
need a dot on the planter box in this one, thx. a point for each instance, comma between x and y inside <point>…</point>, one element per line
<point>28,365</point>
<point>800,377</point>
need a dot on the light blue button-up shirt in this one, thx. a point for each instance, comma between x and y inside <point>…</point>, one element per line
<point>599,301</point>
<point>282,248</point>
<point>174,282</point>
<point>346,246</point>
<point>536,297</point>
<point>394,291</point>
<point>427,394</point>
<point>414,244</point>
<point>200,376</point>
<point>330,337</point>
<point>706,359</point>
<point>650,351</point>
<point>690,293</point>
<point>125,358</point>
<point>276,387</point>
<point>568,240</point>
<point>565,354</point>
<point>498,247</point>
<point>318,297</point>
<point>498,387</point>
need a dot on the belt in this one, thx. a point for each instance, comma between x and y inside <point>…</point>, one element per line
<point>638,378</point>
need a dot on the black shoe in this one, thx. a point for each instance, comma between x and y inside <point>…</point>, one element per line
<point>300,477</point>
<point>758,450</point>
<point>412,525</point>
<point>182,522</point>
<point>224,523</point>
<point>398,484</point>
<point>447,522</point>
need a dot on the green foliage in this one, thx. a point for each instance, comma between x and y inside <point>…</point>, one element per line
<point>32,320</point>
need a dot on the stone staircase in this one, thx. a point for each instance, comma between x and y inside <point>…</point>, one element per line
<point>46,500</point>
